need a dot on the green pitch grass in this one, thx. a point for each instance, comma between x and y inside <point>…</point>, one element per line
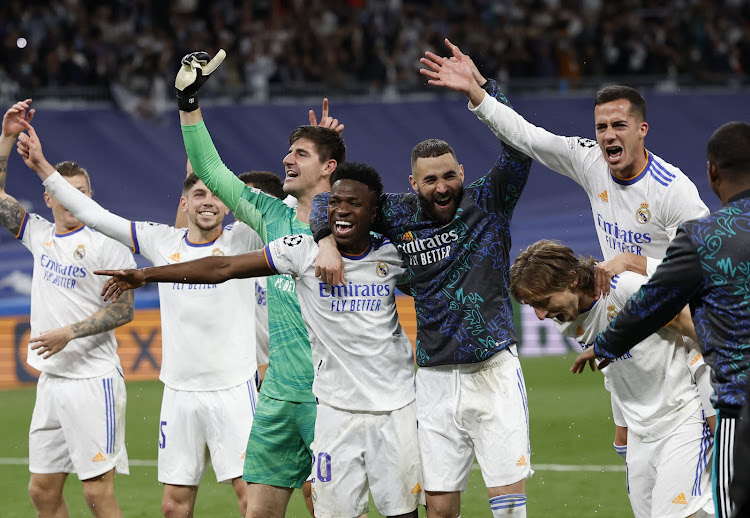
<point>570,426</point>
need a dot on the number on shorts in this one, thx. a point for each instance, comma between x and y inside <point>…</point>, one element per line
<point>324,467</point>
<point>162,437</point>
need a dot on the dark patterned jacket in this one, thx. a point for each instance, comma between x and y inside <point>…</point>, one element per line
<point>458,272</point>
<point>707,266</point>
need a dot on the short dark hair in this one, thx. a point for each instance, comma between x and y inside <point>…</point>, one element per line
<point>729,148</point>
<point>617,92</point>
<point>70,169</point>
<point>546,267</point>
<point>430,148</point>
<point>191,180</point>
<point>328,143</point>
<point>360,173</point>
<point>266,181</point>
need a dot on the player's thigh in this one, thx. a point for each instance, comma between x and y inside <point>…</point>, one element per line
<point>230,418</point>
<point>393,462</point>
<point>92,415</point>
<point>277,453</point>
<point>339,478</point>
<point>183,453</point>
<point>494,410</point>
<point>48,450</point>
<point>447,452</point>
<point>640,475</point>
<point>682,474</point>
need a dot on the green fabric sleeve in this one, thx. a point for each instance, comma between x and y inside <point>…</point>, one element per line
<point>243,201</point>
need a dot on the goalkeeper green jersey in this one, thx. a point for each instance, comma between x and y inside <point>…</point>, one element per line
<point>290,370</point>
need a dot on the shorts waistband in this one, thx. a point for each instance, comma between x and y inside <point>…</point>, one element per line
<point>471,368</point>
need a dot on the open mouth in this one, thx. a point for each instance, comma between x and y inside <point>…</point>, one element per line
<point>343,227</point>
<point>614,152</point>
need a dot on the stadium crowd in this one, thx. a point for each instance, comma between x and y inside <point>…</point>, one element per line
<point>285,47</point>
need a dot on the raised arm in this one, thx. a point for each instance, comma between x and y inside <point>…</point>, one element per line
<point>209,270</point>
<point>81,206</point>
<point>113,315</point>
<point>15,121</point>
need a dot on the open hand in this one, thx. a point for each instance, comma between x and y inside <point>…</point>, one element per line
<point>121,281</point>
<point>17,118</point>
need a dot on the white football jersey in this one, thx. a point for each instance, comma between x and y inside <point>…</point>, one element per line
<point>638,215</point>
<point>362,358</point>
<point>64,290</point>
<point>651,384</point>
<point>208,333</point>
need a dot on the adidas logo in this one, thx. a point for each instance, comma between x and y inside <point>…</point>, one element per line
<point>48,244</point>
<point>521,461</point>
<point>680,499</point>
<point>243,456</point>
<point>99,457</point>
<point>416,489</point>
<point>696,358</point>
<point>603,196</point>
<point>175,257</point>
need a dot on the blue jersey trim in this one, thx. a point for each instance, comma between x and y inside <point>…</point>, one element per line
<point>200,245</point>
<point>638,176</point>
<point>71,232</point>
<point>357,257</point>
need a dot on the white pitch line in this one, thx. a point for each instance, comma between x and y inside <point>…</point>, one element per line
<point>9,461</point>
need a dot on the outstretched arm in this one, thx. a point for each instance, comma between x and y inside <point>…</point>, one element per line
<point>15,121</point>
<point>81,206</point>
<point>113,315</point>
<point>209,270</point>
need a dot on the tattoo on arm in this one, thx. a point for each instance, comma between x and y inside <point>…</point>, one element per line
<point>109,317</point>
<point>11,214</point>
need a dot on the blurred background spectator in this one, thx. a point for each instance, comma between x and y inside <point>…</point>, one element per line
<point>127,51</point>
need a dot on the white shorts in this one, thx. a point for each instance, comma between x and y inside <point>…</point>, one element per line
<point>78,426</point>
<point>354,451</point>
<point>670,477</point>
<point>473,409</point>
<point>197,426</point>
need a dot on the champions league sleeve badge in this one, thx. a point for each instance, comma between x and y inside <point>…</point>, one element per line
<point>292,240</point>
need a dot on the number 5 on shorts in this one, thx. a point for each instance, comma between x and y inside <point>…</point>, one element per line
<point>162,437</point>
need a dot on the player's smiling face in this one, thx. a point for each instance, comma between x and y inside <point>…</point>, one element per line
<point>64,220</point>
<point>562,305</point>
<point>204,210</point>
<point>439,182</point>
<point>620,134</point>
<point>351,211</point>
<point>303,168</point>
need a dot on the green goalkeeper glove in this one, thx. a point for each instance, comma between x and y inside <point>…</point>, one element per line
<point>195,69</point>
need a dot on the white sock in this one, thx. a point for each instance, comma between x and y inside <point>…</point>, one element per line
<point>509,505</point>
<point>622,451</point>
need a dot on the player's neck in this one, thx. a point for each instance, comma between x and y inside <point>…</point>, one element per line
<point>586,299</point>
<point>635,168</point>
<point>198,235</point>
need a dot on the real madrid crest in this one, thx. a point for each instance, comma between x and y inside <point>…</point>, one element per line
<point>611,312</point>
<point>217,251</point>
<point>643,215</point>
<point>80,252</point>
<point>381,269</point>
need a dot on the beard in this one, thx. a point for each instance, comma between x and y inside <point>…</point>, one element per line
<point>442,216</point>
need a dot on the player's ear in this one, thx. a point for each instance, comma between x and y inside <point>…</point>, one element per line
<point>643,129</point>
<point>413,182</point>
<point>183,204</point>
<point>461,169</point>
<point>47,199</point>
